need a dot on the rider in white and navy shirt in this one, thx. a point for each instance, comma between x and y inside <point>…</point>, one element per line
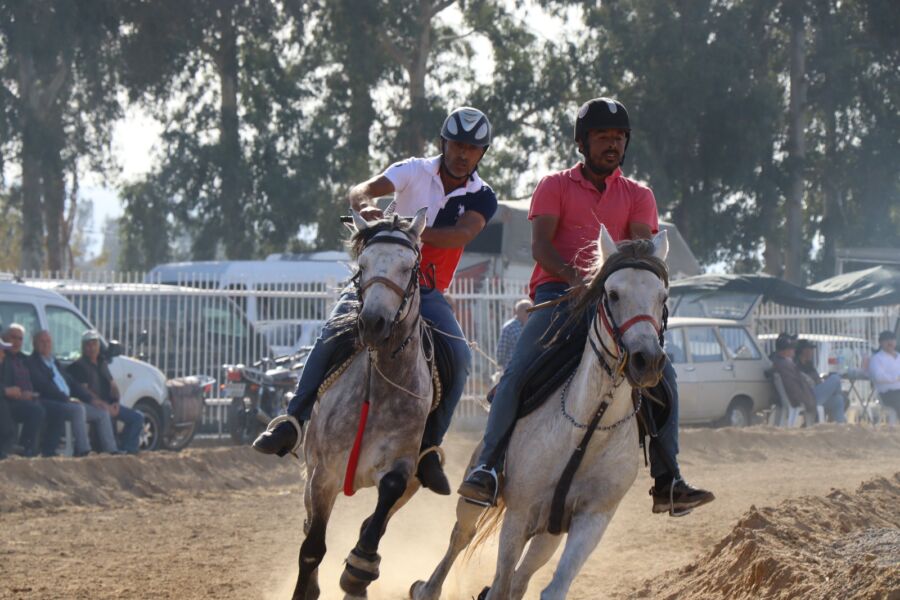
<point>459,206</point>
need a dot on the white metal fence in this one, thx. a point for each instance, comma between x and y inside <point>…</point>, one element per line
<point>195,327</point>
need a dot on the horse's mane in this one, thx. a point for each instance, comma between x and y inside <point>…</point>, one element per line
<point>626,251</point>
<point>346,322</point>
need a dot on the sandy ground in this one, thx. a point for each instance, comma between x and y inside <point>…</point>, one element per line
<point>226,523</point>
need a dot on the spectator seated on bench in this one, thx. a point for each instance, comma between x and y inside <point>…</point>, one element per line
<point>18,407</point>
<point>54,384</point>
<point>884,369</point>
<point>798,392</point>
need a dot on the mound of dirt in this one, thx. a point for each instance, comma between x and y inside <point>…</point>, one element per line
<point>838,546</point>
<point>763,443</point>
<point>51,483</point>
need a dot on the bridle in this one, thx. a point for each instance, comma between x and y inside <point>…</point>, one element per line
<point>404,294</point>
<point>616,331</point>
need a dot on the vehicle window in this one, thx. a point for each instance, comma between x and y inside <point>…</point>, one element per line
<point>66,329</point>
<point>739,344</point>
<point>704,345</point>
<point>715,305</point>
<point>675,346</point>
<point>23,314</point>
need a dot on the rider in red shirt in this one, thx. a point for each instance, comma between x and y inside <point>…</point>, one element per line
<point>567,209</point>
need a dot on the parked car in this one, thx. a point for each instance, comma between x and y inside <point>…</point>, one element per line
<point>142,386</point>
<point>721,371</point>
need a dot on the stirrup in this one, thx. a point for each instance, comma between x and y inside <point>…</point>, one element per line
<point>436,449</point>
<point>672,511</point>
<point>293,421</point>
<point>493,473</point>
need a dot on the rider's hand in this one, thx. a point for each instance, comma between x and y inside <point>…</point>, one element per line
<point>371,213</point>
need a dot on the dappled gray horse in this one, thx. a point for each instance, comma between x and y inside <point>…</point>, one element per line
<point>623,351</point>
<point>390,381</point>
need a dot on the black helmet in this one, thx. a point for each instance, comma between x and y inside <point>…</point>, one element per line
<point>468,125</point>
<point>601,113</point>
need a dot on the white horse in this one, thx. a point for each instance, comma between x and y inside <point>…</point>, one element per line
<point>392,376</point>
<point>629,288</point>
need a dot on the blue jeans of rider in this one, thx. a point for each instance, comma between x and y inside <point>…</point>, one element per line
<point>434,308</point>
<point>505,405</point>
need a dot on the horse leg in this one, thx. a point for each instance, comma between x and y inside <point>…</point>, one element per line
<point>513,538</point>
<point>584,535</point>
<point>363,561</point>
<point>464,530</point>
<point>539,552</point>
<point>319,497</point>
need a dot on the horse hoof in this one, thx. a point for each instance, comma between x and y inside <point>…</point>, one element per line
<point>353,586</point>
<point>484,593</point>
<point>361,570</point>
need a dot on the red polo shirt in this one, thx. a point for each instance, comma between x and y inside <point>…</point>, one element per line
<point>581,208</point>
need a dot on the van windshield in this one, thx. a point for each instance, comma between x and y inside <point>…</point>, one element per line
<point>23,314</point>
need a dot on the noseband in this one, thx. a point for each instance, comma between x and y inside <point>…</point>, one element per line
<point>405,294</point>
<point>616,331</point>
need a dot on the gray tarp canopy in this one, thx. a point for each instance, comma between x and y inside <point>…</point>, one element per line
<point>878,286</point>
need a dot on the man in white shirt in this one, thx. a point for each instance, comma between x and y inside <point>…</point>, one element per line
<point>884,369</point>
<point>459,206</point>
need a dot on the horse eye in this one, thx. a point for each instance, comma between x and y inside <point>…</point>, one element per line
<point>614,296</point>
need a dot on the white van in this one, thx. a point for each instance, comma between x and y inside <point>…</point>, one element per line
<point>286,298</point>
<point>142,386</point>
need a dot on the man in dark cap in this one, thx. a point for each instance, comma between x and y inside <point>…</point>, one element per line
<point>798,390</point>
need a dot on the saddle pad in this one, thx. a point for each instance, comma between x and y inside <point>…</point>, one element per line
<point>551,369</point>
<point>443,354</point>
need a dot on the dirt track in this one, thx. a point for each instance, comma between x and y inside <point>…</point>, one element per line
<point>226,523</point>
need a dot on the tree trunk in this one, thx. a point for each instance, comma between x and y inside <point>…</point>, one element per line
<point>418,68</point>
<point>797,149</point>
<point>831,218</point>
<point>768,198</point>
<point>32,202</point>
<point>233,226</point>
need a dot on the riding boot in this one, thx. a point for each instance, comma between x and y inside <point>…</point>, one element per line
<point>431,473</point>
<point>284,434</point>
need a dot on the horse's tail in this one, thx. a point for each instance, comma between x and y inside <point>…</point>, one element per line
<point>487,525</point>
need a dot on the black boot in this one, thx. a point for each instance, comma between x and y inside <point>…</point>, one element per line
<point>431,474</point>
<point>279,440</point>
<point>678,497</point>
<point>481,486</point>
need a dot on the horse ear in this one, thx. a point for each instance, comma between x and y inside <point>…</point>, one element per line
<point>419,222</point>
<point>661,245</point>
<point>390,210</point>
<point>361,224</point>
<point>605,245</point>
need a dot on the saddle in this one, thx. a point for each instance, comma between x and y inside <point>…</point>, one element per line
<point>560,359</point>
<point>434,346</point>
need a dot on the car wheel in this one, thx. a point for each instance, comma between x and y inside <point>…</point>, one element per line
<point>738,414</point>
<point>153,424</point>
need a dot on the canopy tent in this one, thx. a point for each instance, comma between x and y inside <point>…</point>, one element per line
<point>878,286</point>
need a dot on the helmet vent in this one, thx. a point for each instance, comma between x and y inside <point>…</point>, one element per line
<point>612,105</point>
<point>482,132</point>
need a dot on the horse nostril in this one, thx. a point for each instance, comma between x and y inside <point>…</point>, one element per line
<point>640,361</point>
<point>380,324</point>
<point>660,362</point>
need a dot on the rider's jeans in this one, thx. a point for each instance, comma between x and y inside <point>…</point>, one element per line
<point>505,404</point>
<point>663,449</point>
<point>435,308</point>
